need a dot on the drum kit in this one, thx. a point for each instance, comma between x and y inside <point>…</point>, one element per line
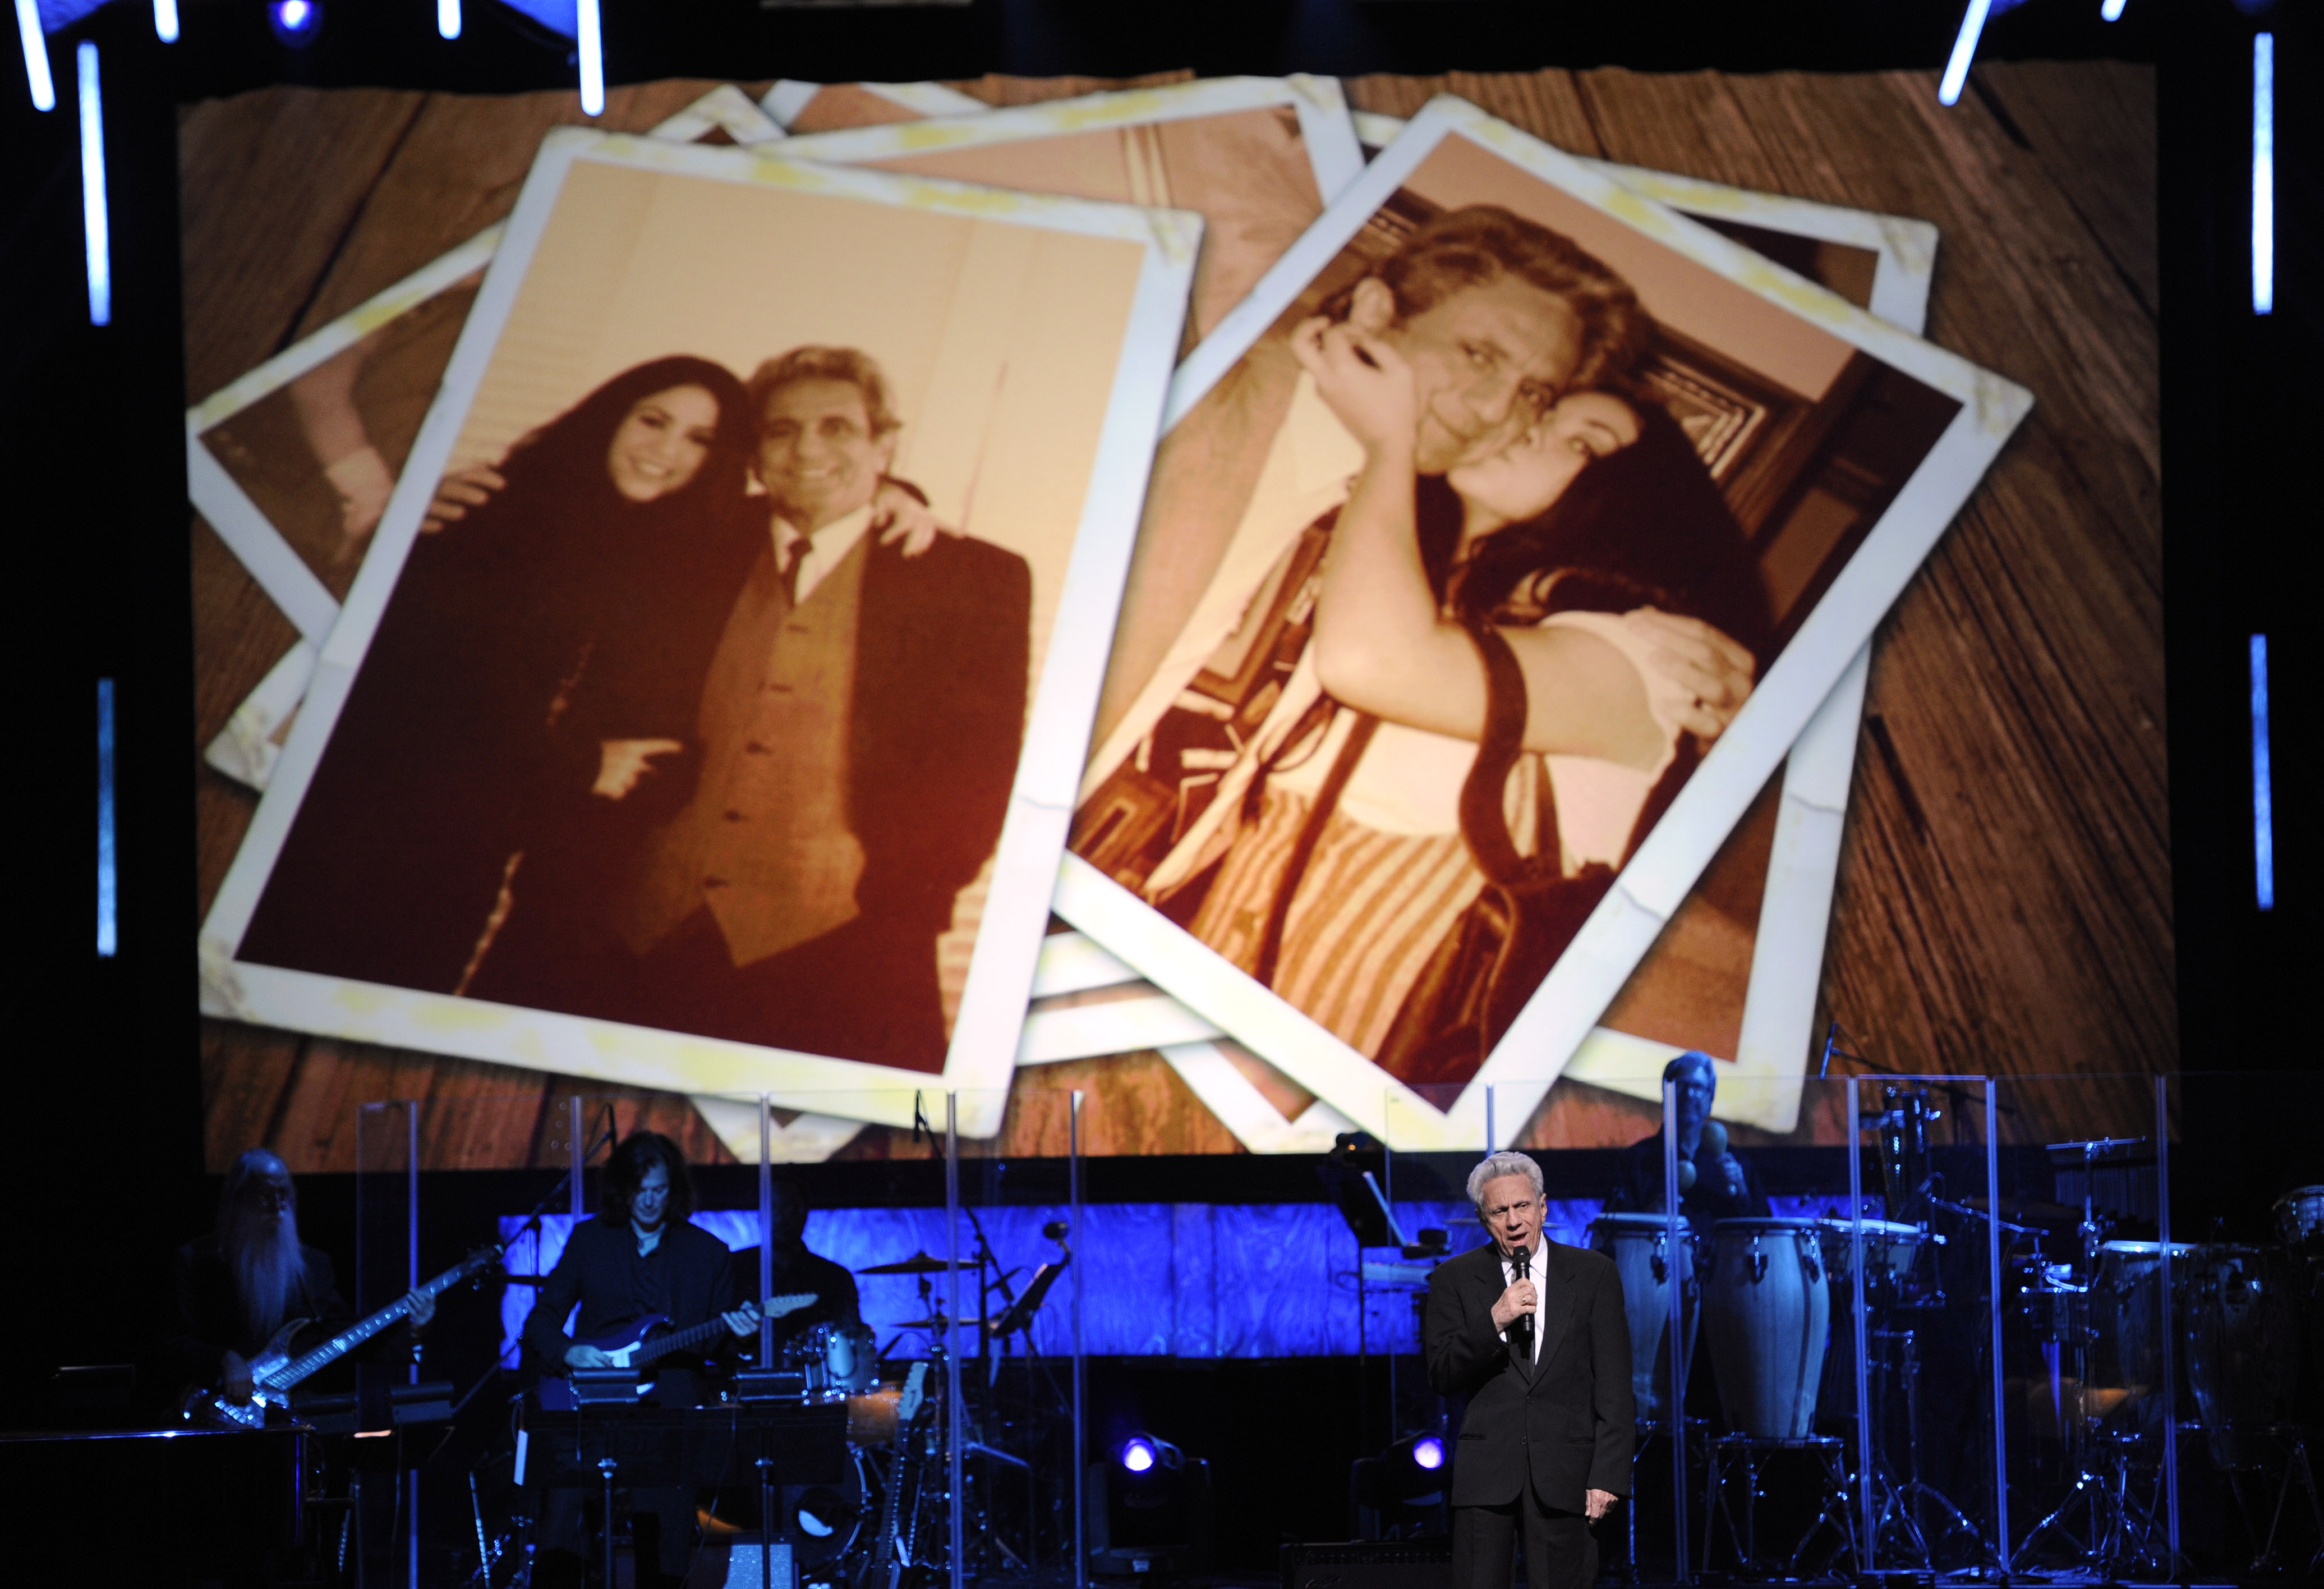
<point>885,1522</point>
<point>2140,1341</point>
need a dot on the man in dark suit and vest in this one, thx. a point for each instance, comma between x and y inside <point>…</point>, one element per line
<point>1531,1335</point>
<point>859,729</point>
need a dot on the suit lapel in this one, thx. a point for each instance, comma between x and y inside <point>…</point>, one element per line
<point>1491,1284</point>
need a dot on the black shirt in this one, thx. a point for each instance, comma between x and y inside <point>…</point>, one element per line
<point>1639,1189</point>
<point>836,1301</point>
<point>686,1278</point>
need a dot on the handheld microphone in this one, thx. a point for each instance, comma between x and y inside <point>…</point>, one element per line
<point>1521,1326</point>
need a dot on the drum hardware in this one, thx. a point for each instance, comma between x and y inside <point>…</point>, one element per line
<point>2299,1217</point>
<point>1746,1457</point>
<point>2125,1537</point>
<point>2296,1465</point>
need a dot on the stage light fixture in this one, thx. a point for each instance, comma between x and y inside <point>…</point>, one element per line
<point>2263,781</point>
<point>96,229</point>
<point>1399,1494</point>
<point>295,22</point>
<point>2263,173</point>
<point>447,19</point>
<point>589,43</point>
<point>1150,1509</point>
<point>165,21</point>
<point>1972,28</point>
<point>36,55</point>
<point>2111,11</point>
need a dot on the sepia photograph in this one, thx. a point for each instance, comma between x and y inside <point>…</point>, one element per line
<point>294,462</point>
<point>730,637</point>
<point>1542,520</point>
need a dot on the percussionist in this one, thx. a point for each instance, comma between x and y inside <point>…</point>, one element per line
<point>1715,1184</point>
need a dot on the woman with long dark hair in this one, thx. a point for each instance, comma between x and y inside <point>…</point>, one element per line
<point>604,565</point>
<point>1594,557</point>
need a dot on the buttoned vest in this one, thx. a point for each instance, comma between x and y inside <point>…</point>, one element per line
<point>764,844</point>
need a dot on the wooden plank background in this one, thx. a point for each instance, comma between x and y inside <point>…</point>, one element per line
<point>2004,901</point>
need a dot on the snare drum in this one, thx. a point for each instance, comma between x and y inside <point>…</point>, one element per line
<point>1767,1310</point>
<point>1892,1251</point>
<point>1639,1245</point>
<point>840,1360</point>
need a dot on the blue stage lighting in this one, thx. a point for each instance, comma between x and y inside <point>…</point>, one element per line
<point>1428,1452</point>
<point>1138,1454</point>
<point>295,22</point>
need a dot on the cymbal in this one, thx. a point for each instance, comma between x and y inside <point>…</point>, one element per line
<point>2050,1216</point>
<point>918,1263</point>
<point>937,1324</point>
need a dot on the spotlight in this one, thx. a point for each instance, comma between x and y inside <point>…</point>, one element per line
<point>1149,1511</point>
<point>1399,1494</point>
<point>295,22</point>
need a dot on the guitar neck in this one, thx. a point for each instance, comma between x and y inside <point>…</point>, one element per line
<point>662,1346</point>
<point>363,1330</point>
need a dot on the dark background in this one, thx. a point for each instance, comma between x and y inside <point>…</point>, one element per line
<point>107,1173</point>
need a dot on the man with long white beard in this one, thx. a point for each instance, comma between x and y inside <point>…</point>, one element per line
<point>231,1291</point>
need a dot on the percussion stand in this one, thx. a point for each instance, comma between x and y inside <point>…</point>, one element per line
<point>1901,1505</point>
<point>2295,1465</point>
<point>1748,1456</point>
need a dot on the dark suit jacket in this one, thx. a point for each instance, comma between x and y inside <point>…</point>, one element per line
<point>596,1269</point>
<point>942,649</point>
<point>1564,1425</point>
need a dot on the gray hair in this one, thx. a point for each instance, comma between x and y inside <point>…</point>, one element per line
<point>1693,1059</point>
<point>1497,1165</point>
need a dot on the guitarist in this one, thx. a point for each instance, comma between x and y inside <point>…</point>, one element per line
<point>641,1255</point>
<point>231,1291</point>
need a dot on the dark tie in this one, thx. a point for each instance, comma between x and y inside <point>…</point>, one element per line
<point>793,556</point>
<point>1521,1326</point>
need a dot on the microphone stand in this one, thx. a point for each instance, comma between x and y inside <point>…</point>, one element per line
<point>531,1223</point>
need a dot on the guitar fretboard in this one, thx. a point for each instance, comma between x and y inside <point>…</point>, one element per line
<point>356,1334</point>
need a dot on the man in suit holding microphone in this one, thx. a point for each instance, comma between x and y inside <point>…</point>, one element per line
<point>1531,1333</point>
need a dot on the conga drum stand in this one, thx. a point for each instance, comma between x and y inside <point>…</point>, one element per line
<point>1745,1457</point>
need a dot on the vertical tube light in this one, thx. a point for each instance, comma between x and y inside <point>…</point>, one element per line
<point>2263,173</point>
<point>95,228</point>
<point>36,55</point>
<point>590,38</point>
<point>108,937</point>
<point>2263,781</point>
<point>447,19</point>
<point>165,21</point>
<point>1972,28</point>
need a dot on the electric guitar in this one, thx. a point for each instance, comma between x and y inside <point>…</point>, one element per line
<point>274,1370</point>
<point>634,1344</point>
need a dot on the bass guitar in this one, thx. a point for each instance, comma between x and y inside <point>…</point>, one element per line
<point>274,1370</point>
<point>635,1344</point>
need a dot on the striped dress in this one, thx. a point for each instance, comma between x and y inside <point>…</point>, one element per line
<point>1390,874</point>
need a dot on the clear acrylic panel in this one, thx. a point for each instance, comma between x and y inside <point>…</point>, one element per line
<point>2094,1404</point>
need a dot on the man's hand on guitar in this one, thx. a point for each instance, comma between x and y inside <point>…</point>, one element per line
<point>234,1379</point>
<point>743,1321</point>
<point>579,1356</point>
<point>422,1305</point>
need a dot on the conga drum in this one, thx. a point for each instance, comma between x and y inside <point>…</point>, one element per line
<point>2128,1320</point>
<point>1768,1311</point>
<point>1639,1245</point>
<point>2242,1325</point>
